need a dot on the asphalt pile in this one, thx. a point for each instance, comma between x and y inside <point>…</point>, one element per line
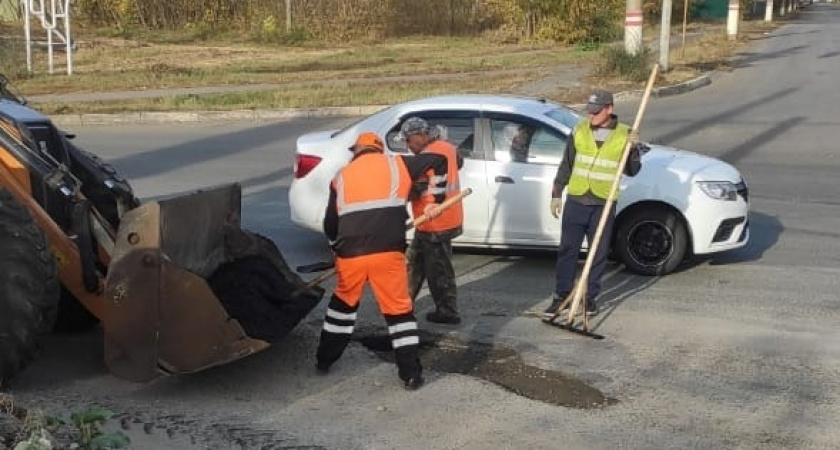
<point>497,364</point>
<point>260,298</point>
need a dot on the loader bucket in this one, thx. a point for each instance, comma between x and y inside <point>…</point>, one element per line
<point>161,315</point>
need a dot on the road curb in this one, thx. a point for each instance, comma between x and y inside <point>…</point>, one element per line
<point>152,117</point>
<point>667,91</point>
<point>161,117</point>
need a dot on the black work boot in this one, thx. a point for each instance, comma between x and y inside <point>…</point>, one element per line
<point>414,383</point>
<point>444,315</point>
<point>591,308</point>
<point>322,368</point>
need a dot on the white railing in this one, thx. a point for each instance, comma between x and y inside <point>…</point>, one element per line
<point>54,16</point>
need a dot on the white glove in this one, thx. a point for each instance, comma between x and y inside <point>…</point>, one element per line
<point>556,207</point>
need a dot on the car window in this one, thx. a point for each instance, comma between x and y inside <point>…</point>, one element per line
<point>526,142</point>
<point>565,116</point>
<point>460,131</point>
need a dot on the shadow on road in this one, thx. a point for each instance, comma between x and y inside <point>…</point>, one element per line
<point>739,152</point>
<point>697,126</point>
<point>174,157</point>
<point>747,59</point>
<point>795,33</point>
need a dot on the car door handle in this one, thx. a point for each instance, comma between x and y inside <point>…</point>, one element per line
<point>504,179</point>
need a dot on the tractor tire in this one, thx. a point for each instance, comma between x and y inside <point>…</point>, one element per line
<point>29,286</point>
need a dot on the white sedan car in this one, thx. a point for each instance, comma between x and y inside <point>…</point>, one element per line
<point>680,204</point>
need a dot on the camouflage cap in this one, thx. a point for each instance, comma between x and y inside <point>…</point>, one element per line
<point>414,125</point>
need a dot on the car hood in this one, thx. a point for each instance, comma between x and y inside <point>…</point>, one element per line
<point>689,164</point>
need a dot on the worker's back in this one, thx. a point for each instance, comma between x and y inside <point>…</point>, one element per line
<point>371,195</point>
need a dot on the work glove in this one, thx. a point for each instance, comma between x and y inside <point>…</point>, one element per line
<point>432,210</point>
<point>556,207</point>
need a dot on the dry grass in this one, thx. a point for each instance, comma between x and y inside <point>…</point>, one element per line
<point>117,64</point>
<point>306,96</point>
<point>712,51</point>
<point>113,65</point>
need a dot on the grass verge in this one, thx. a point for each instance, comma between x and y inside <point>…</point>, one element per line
<point>350,74</point>
<point>116,65</point>
<point>305,96</point>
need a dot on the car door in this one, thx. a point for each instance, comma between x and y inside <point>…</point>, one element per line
<point>460,130</point>
<point>523,157</point>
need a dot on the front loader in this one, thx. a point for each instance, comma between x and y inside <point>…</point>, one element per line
<point>177,284</point>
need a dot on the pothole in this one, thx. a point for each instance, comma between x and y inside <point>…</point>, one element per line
<point>499,365</point>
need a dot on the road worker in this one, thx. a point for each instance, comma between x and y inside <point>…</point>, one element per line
<point>592,156</point>
<point>430,252</point>
<point>365,221</point>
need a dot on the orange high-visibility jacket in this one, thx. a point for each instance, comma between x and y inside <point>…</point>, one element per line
<point>366,212</point>
<point>448,185</point>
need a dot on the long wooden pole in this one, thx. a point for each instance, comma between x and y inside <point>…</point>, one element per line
<point>578,293</point>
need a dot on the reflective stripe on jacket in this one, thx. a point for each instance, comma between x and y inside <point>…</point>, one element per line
<point>371,196</point>
<point>452,217</point>
<point>595,168</point>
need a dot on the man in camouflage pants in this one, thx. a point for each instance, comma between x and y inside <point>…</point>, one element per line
<point>430,253</point>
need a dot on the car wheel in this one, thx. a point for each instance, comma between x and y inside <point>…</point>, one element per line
<point>651,241</point>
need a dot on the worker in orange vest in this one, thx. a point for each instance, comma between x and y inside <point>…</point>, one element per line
<point>365,222</point>
<point>430,252</point>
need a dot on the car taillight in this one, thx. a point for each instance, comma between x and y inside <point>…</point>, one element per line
<point>304,164</point>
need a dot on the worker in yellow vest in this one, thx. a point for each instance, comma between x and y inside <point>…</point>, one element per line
<point>592,156</point>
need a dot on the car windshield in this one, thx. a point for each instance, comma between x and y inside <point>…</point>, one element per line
<point>565,116</point>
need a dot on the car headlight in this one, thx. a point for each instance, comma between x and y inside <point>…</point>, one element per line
<point>719,190</point>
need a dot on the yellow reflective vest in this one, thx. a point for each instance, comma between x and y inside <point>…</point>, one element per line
<point>594,168</point>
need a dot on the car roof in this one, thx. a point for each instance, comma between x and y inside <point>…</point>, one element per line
<point>500,103</point>
<point>20,113</point>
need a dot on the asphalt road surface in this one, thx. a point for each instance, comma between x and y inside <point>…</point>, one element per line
<point>741,351</point>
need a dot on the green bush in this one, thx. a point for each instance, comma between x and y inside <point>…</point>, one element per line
<point>616,62</point>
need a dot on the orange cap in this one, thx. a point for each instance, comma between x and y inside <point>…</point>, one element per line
<point>368,140</point>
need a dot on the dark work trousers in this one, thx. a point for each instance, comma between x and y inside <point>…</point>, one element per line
<point>581,220</point>
<point>339,322</point>
<point>430,259</point>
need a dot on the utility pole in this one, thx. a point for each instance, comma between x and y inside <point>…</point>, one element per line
<point>665,35</point>
<point>782,8</point>
<point>768,11</point>
<point>288,16</point>
<point>685,25</point>
<point>633,27</point>
<point>733,19</point>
